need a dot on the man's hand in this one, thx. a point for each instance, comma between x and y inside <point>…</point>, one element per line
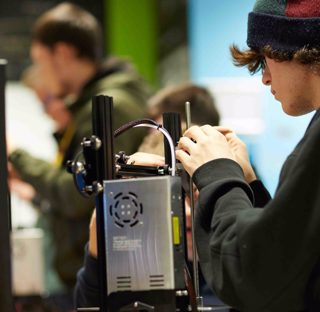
<point>22,189</point>
<point>241,156</point>
<point>200,145</point>
<point>146,159</point>
<point>240,152</point>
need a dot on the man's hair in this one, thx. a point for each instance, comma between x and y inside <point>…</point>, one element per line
<point>173,98</point>
<point>254,59</point>
<point>70,24</point>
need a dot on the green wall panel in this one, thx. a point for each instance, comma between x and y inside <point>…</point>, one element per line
<point>131,30</point>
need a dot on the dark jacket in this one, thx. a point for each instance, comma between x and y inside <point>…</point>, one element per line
<point>86,292</point>
<point>262,259</point>
<point>69,212</point>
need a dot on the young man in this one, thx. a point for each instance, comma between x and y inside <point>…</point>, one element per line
<point>264,259</point>
<point>67,46</point>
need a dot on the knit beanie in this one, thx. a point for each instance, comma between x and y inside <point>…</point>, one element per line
<point>285,25</point>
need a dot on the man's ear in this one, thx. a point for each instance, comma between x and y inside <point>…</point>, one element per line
<point>64,51</point>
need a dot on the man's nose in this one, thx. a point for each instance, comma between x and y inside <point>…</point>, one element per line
<point>266,76</point>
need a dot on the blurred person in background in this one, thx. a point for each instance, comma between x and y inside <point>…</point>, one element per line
<point>67,50</point>
<point>48,93</point>
<point>150,153</point>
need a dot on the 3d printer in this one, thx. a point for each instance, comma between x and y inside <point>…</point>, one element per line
<point>140,221</point>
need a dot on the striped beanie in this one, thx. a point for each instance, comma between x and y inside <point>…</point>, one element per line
<point>285,25</point>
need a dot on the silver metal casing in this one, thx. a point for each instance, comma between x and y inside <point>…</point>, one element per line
<point>139,238</point>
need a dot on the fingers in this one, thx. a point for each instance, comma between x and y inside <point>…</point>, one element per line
<point>233,139</point>
<point>186,144</point>
<point>208,130</point>
<point>183,156</point>
<point>223,130</point>
<point>146,159</point>
<point>194,133</point>
<point>200,134</point>
<point>185,159</point>
<point>231,136</point>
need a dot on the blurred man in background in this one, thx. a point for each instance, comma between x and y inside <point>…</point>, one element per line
<point>67,49</point>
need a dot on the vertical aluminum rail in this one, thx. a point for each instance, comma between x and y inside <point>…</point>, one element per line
<point>102,126</point>
<point>172,123</point>
<point>194,249</point>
